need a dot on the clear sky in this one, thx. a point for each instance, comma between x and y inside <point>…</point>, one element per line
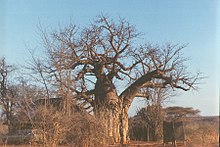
<point>195,22</point>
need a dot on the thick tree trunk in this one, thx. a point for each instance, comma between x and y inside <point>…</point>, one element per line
<point>126,98</point>
<point>109,118</point>
<point>115,127</point>
<point>107,108</point>
<point>113,108</point>
<point>124,124</point>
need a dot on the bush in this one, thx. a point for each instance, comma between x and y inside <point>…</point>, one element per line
<point>202,132</point>
<point>3,131</point>
<point>53,128</point>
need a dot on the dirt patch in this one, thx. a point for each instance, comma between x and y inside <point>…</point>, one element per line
<point>140,144</point>
<point>146,144</point>
<point>160,144</point>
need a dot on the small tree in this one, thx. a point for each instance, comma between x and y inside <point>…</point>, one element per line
<point>7,91</point>
<point>175,113</point>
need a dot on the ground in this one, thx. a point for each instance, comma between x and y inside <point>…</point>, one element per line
<point>143,144</point>
<point>160,144</point>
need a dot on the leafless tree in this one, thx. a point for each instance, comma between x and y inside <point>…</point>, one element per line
<point>7,91</point>
<point>105,53</point>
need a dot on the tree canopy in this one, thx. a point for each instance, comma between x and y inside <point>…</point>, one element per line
<point>107,52</point>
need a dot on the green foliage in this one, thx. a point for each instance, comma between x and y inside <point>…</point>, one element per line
<point>177,112</point>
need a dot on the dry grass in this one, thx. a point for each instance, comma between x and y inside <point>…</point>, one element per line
<point>73,130</point>
<point>3,131</point>
<point>198,134</point>
<point>202,133</point>
<point>137,144</point>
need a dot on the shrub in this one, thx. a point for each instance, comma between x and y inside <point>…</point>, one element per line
<point>53,128</point>
<point>201,132</point>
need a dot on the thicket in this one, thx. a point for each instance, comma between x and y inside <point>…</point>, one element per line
<point>203,131</point>
<point>55,128</point>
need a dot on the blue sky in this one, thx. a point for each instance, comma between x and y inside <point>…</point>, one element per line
<point>194,22</point>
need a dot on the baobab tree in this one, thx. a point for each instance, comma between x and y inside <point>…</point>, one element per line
<point>106,53</point>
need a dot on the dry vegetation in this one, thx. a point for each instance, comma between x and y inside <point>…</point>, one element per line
<point>202,132</point>
<point>3,131</point>
<point>77,129</point>
<point>53,128</point>
<point>82,68</point>
<point>87,131</point>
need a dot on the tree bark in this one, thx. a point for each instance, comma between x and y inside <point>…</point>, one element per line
<point>107,108</point>
<point>108,103</point>
<point>126,98</point>
<point>110,120</point>
<point>124,124</point>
